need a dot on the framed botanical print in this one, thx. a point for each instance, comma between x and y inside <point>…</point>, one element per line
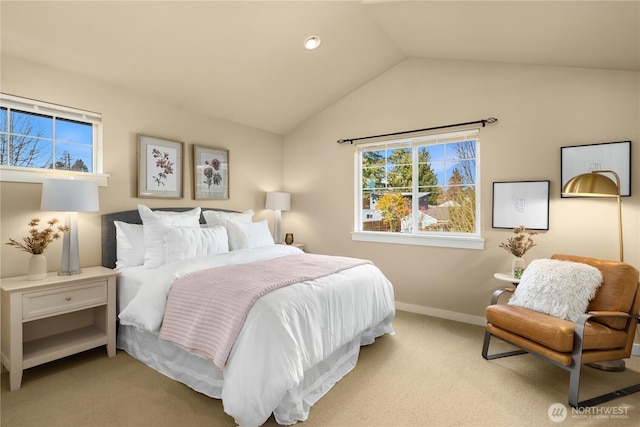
<point>160,167</point>
<point>210,173</point>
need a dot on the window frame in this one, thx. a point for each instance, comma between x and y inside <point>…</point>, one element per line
<point>38,175</point>
<point>434,238</point>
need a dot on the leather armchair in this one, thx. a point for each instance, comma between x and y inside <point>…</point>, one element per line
<point>605,332</point>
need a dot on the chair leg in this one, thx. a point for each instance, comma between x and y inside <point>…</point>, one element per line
<point>485,349</point>
<point>574,382</point>
<point>485,345</point>
<point>574,385</point>
<point>608,397</point>
<point>576,365</point>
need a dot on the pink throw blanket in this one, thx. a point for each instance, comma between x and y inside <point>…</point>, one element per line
<point>206,310</point>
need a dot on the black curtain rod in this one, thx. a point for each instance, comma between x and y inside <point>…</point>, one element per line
<point>483,122</point>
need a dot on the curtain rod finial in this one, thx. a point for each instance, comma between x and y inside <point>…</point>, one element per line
<point>342,141</point>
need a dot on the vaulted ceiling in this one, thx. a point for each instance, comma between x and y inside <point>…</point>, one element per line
<point>244,60</point>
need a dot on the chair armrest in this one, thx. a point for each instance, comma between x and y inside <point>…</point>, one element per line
<point>582,320</point>
<point>609,314</point>
<point>578,338</point>
<point>496,295</point>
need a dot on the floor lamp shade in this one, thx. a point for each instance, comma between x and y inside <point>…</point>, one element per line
<point>596,184</point>
<point>278,202</point>
<point>70,196</point>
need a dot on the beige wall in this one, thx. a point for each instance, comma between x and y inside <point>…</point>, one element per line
<point>540,109</point>
<point>255,157</point>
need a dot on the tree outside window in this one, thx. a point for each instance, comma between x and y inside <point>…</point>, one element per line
<point>30,139</point>
<point>420,186</point>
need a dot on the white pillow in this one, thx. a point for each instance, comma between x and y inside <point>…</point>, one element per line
<point>243,235</point>
<point>155,223</point>
<point>214,218</point>
<point>560,288</point>
<point>129,244</point>
<point>190,242</point>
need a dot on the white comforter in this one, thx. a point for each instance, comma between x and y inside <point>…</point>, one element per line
<point>286,333</point>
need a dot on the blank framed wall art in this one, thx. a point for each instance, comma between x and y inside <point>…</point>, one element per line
<point>579,159</point>
<point>521,203</point>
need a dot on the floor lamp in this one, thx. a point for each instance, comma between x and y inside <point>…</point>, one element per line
<point>595,184</point>
<point>278,202</point>
<point>70,196</point>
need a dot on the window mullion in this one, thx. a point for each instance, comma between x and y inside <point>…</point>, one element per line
<point>54,144</point>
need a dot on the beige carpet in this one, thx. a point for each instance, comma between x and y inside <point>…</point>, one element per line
<point>430,373</point>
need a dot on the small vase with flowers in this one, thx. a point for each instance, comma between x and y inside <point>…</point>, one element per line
<point>518,246</point>
<point>36,243</point>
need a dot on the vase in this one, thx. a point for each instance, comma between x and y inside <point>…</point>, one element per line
<point>37,269</point>
<point>517,266</point>
<point>288,238</point>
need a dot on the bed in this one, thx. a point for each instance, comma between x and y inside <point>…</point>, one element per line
<point>293,343</point>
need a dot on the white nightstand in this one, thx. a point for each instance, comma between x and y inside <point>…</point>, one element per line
<point>48,319</point>
<point>298,245</point>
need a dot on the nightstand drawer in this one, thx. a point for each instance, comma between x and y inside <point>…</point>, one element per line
<point>63,299</point>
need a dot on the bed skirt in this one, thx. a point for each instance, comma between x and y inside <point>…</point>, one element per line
<point>203,376</point>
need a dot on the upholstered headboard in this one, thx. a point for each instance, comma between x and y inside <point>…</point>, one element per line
<point>132,217</point>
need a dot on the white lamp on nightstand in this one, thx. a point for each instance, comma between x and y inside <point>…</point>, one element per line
<point>70,196</point>
<point>278,202</point>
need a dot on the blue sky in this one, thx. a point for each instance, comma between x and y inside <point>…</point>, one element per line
<point>51,137</point>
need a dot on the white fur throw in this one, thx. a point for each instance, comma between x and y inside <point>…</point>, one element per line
<point>560,288</point>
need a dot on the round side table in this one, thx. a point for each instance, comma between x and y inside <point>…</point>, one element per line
<point>506,277</point>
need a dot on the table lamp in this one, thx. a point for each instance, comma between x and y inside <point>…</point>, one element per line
<point>70,196</point>
<point>278,202</point>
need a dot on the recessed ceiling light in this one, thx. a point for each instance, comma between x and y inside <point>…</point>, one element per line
<point>312,42</point>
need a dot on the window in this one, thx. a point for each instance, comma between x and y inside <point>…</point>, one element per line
<point>37,139</point>
<point>420,191</point>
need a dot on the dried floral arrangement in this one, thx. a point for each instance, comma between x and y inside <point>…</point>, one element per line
<point>37,241</point>
<point>521,243</point>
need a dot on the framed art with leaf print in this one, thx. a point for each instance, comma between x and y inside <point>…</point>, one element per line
<point>210,173</point>
<point>160,167</point>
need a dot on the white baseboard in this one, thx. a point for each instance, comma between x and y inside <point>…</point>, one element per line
<point>461,317</point>
<point>443,314</point>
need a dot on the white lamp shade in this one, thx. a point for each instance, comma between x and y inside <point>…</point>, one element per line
<point>277,201</point>
<point>66,195</point>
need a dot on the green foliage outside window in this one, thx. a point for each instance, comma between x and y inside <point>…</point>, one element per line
<point>393,207</point>
<point>446,187</point>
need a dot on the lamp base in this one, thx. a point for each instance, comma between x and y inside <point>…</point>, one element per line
<point>277,235</point>
<point>68,273</point>
<point>70,263</point>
